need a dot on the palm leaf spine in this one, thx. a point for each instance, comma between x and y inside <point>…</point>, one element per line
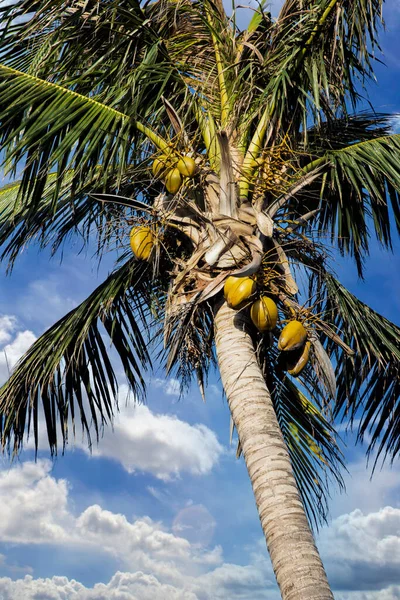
<point>209,134</point>
<point>220,70</point>
<point>149,133</point>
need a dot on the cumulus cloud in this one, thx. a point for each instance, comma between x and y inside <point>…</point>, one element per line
<point>158,443</point>
<point>158,563</point>
<point>33,505</point>
<point>14,344</point>
<point>362,551</point>
<point>231,581</point>
<point>390,593</point>
<point>122,586</point>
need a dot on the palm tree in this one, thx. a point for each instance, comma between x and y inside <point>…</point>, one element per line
<point>236,162</point>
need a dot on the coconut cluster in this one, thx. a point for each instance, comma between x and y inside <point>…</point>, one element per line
<point>172,169</point>
<point>240,291</point>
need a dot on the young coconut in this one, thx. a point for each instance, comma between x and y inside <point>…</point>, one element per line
<point>173,181</point>
<point>300,360</point>
<point>237,290</point>
<point>160,165</point>
<point>293,336</point>
<point>264,314</point>
<point>142,241</point>
<point>187,166</point>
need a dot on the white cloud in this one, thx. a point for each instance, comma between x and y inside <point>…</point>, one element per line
<point>229,581</point>
<point>390,593</point>
<point>14,344</point>
<point>236,581</point>
<point>35,510</point>
<point>170,386</point>
<point>33,505</point>
<point>159,444</point>
<point>396,124</point>
<point>122,586</point>
<point>362,551</point>
<point>7,327</point>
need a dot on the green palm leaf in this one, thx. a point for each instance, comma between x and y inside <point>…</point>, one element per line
<point>362,181</point>
<point>63,211</point>
<point>68,369</point>
<point>52,127</point>
<point>368,383</point>
<point>311,439</point>
<point>358,185</point>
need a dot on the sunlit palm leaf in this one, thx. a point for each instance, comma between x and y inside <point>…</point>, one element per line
<point>363,182</point>
<point>358,185</point>
<point>53,128</point>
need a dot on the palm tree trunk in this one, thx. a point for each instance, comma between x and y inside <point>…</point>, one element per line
<point>295,559</point>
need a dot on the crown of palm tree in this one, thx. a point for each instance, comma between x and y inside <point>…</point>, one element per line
<point>92,93</point>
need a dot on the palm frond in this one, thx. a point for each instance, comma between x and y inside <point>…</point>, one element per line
<point>368,384</point>
<point>64,211</point>
<point>311,439</point>
<point>357,185</point>
<point>317,53</point>
<point>188,342</point>
<point>53,129</point>
<point>363,181</point>
<point>68,370</point>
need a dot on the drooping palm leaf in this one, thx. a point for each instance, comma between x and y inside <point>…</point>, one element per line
<point>50,127</point>
<point>68,369</point>
<point>362,183</point>
<point>357,185</point>
<point>368,383</point>
<point>76,212</point>
<point>311,439</point>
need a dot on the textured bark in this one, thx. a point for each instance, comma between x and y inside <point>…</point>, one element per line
<point>295,559</point>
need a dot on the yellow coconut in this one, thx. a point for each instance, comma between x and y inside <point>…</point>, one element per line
<point>302,359</point>
<point>229,283</point>
<point>142,242</point>
<point>264,314</point>
<point>160,164</point>
<point>173,181</point>
<point>187,166</point>
<point>293,336</point>
<point>237,290</point>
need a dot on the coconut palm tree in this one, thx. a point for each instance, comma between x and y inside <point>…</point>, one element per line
<point>232,163</point>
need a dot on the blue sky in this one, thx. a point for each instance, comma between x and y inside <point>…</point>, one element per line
<point>162,509</point>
